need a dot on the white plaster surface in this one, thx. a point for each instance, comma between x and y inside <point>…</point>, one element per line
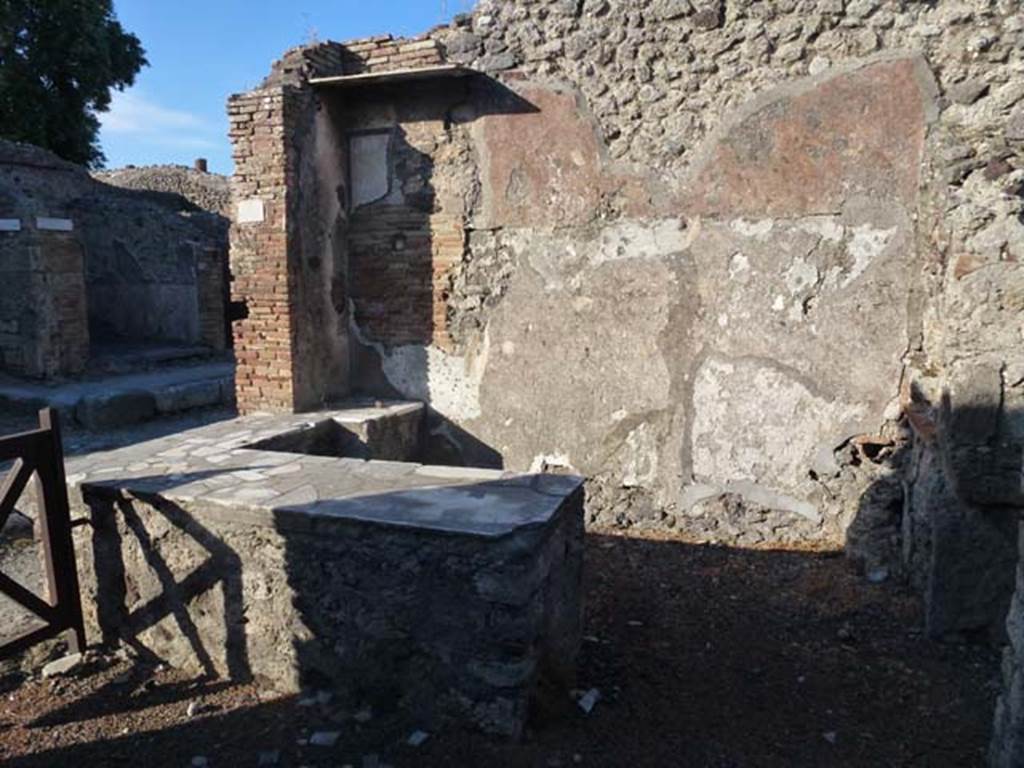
<point>450,383</point>
<point>755,423</point>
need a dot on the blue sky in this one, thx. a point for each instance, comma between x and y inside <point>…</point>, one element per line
<point>201,52</point>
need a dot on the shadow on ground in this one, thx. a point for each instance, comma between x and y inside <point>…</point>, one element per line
<point>704,656</point>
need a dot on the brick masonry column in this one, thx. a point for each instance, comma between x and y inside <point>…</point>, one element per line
<point>259,251</point>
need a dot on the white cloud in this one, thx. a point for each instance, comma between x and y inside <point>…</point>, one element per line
<point>133,114</point>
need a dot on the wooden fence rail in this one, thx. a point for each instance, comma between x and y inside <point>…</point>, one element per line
<point>39,452</point>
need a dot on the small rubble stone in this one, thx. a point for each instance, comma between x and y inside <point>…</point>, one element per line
<point>997,168</point>
<point>1015,124</point>
<point>324,738</point>
<point>589,699</point>
<point>417,738</point>
<point>62,666</point>
<point>496,62</point>
<point>967,92</point>
<point>709,17</point>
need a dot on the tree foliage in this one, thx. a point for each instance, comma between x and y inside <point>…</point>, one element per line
<point>59,60</point>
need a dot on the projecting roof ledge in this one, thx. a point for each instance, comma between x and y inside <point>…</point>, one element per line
<point>393,76</point>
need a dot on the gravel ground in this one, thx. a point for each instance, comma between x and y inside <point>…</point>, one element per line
<point>702,655</point>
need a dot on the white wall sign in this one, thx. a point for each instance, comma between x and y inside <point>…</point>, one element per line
<point>54,225</point>
<point>250,210</point>
<point>10,225</point>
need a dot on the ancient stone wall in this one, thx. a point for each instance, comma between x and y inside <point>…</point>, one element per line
<point>43,321</point>
<point>724,258</point>
<point>43,325</point>
<point>95,264</point>
<point>685,207</point>
<point>752,267</point>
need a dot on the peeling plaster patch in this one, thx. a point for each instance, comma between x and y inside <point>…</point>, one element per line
<point>826,227</point>
<point>759,229</point>
<point>739,265</point>
<point>754,422</point>
<point>560,258</point>
<point>547,461</point>
<point>865,246</point>
<point>450,383</point>
<point>800,276</point>
<point>693,495</point>
<point>640,462</point>
<point>633,239</point>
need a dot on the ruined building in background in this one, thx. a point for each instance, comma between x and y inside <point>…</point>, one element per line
<point>93,273</point>
<point>753,267</point>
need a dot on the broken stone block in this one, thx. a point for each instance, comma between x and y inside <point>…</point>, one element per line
<point>1015,124</point>
<point>193,394</point>
<point>967,92</point>
<point>62,665</point>
<point>970,582</point>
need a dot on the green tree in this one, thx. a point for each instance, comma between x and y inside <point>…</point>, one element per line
<point>59,60</point>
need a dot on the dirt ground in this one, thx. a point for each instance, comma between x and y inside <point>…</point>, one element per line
<point>703,656</point>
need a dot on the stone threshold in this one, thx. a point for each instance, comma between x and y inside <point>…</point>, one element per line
<point>117,400</point>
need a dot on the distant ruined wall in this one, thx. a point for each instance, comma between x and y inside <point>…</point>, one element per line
<point>84,263</point>
<point>206,191</point>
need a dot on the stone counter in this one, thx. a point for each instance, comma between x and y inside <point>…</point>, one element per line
<point>445,594</point>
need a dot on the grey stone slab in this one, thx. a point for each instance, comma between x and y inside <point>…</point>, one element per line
<point>192,394</point>
<point>203,464</point>
<point>115,409</point>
